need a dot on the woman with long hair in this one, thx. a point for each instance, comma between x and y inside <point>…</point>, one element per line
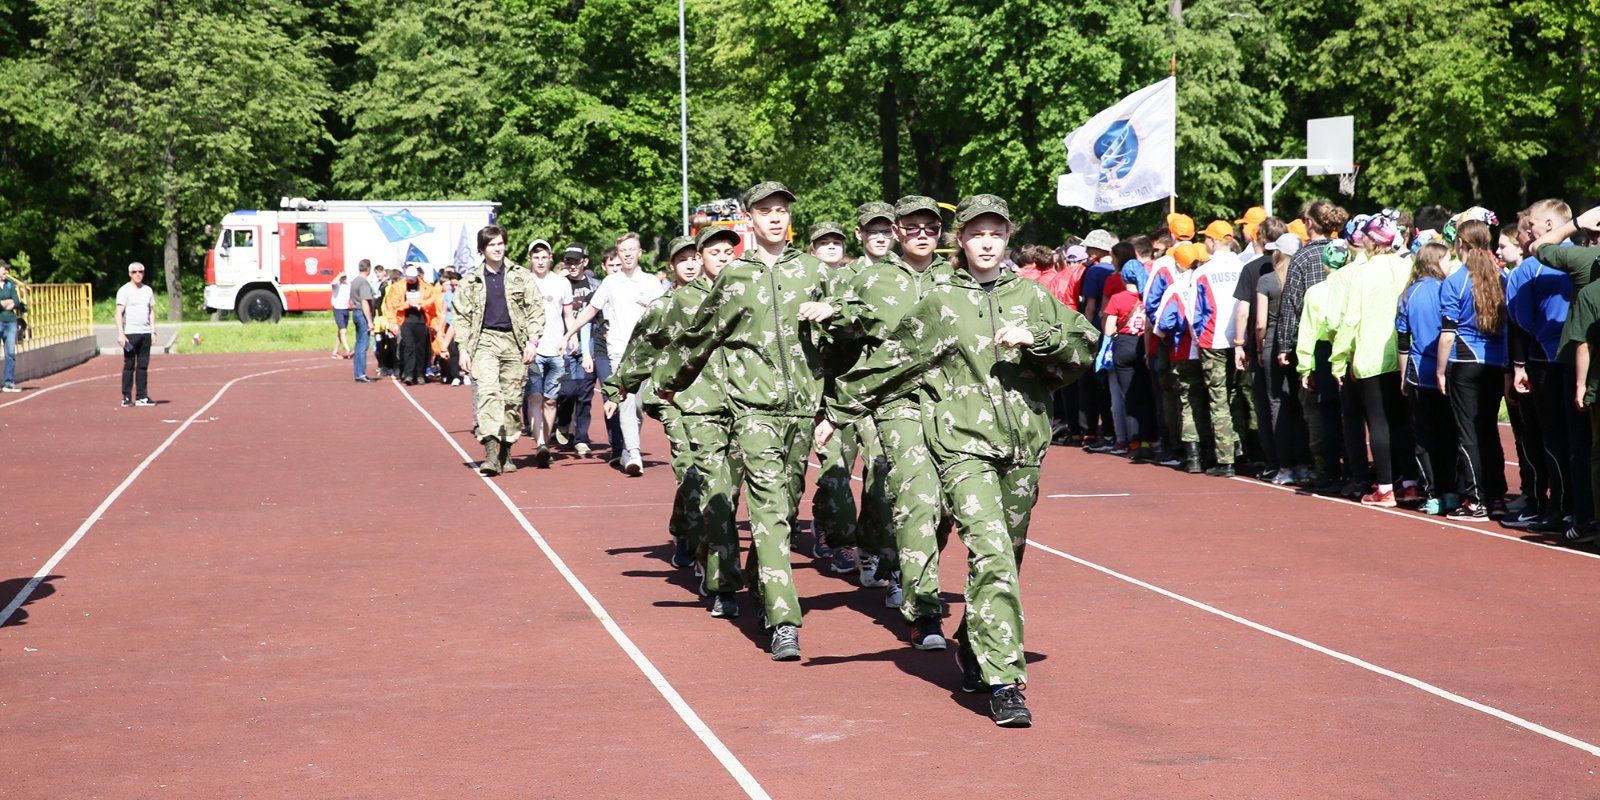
<point>1417,323</point>
<point>1472,364</point>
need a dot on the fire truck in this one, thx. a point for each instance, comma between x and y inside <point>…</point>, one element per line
<point>264,263</point>
<point>726,213</point>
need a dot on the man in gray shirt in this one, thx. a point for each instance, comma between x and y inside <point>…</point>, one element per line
<point>362,296</point>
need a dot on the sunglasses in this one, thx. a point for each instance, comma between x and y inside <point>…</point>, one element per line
<point>929,229</point>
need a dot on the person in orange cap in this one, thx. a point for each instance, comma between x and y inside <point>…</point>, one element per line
<point>1298,228</point>
<point>1174,322</point>
<point>1248,225</point>
<point>1181,226</point>
<point>1163,272</point>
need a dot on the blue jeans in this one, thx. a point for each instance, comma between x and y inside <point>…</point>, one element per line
<point>363,334</point>
<point>8,332</point>
<point>577,399</point>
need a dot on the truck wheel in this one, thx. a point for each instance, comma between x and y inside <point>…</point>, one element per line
<point>259,305</point>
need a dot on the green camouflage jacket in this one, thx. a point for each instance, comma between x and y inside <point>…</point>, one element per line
<point>707,394</point>
<point>984,401</point>
<point>524,302</point>
<point>773,363</point>
<point>877,298</point>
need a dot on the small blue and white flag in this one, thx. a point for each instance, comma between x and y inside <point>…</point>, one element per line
<point>1124,155</point>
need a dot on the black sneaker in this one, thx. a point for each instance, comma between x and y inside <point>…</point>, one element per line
<point>1583,534</point>
<point>1008,708</point>
<point>786,643</point>
<point>541,459</point>
<point>1470,510</point>
<point>1522,520</point>
<point>144,402</point>
<point>971,675</point>
<point>680,552</point>
<point>127,402</point>
<point>928,636</point>
<point>1221,471</point>
<point>726,606</point>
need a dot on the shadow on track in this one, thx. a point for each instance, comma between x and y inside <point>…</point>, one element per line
<point>10,588</point>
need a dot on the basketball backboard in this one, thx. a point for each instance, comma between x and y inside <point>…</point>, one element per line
<point>1330,145</point>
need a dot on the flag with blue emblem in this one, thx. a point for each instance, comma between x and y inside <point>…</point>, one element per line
<point>400,225</point>
<point>1125,155</point>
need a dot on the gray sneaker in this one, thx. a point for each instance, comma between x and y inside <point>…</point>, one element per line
<point>786,643</point>
<point>726,606</point>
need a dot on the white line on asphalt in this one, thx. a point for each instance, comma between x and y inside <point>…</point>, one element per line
<point>1348,659</point>
<point>32,393</point>
<point>1479,528</point>
<point>105,505</point>
<point>1112,494</point>
<point>730,762</point>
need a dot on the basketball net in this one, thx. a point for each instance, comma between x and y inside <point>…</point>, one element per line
<point>1347,181</point>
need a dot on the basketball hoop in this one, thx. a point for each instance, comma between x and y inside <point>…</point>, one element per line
<point>1347,181</point>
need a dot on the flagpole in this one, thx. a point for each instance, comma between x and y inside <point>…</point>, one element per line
<point>683,111</point>
<point>1172,199</point>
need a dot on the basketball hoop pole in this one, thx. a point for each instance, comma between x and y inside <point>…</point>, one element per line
<point>1268,188</point>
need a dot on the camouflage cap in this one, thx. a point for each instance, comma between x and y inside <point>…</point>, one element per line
<point>877,209</point>
<point>762,191</point>
<point>710,232</point>
<point>678,244</point>
<point>824,228</point>
<point>914,203</point>
<point>971,208</point>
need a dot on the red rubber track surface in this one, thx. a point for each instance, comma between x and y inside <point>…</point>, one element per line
<point>309,593</point>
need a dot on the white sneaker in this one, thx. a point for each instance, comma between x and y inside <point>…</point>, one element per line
<point>867,566</point>
<point>632,464</point>
<point>10,388</point>
<point>895,597</point>
<point>455,382</point>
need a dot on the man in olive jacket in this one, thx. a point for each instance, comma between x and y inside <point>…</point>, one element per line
<point>498,310</point>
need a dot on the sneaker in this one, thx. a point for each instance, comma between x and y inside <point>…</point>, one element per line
<point>1101,446</point>
<point>1554,522</point>
<point>1581,535</point>
<point>1433,507</point>
<point>844,560</point>
<point>10,388</point>
<point>583,450</point>
<point>541,459</point>
<point>1284,477</point>
<point>144,402</point>
<point>365,379</point>
<point>867,568</point>
<point>1451,500</point>
<point>819,543</point>
<point>726,606</point>
<point>1221,471</point>
<point>896,596</point>
<point>1008,707</point>
<point>1469,511</point>
<point>1170,461</point>
<point>1303,477</point>
<point>785,643</point>
<point>1498,510</point>
<point>127,403</point>
<point>562,438</point>
<point>680,552</point>
<point>1379,499</point>
<point>1521,520</point>
<point>928,636</point>
<point>971,675</point>
<point>455,382</point>
<point>632,466</point>
<point>1409,496</point>
<point>1120,450</point>
<point>1140,455</point>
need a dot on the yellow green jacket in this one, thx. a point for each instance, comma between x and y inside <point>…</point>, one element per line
<point>1364,337</point>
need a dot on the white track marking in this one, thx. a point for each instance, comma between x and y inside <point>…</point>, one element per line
<point>595,505</point>
<point>729,761</point>
<point>105,505</point>
<point>1478,529</point>
<point>1534,727</point>
<point>1112,494</point>
<point>48,389</point>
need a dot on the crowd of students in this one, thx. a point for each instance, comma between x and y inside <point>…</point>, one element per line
<point>1366,357</point>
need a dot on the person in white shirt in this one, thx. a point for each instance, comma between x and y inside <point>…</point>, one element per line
<point>623,297</point>
<point>549,363</point>
<point>136,326</point>
<point>341,313</point>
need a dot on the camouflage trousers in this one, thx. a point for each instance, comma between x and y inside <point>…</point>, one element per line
<point>1194,415</point>
<point>917,516</point>
<point>771,453</point>
<point>992,505</point>
<point>498,378</point>
<point>1225,394</point>
<point>710,488</point>
<point>833,506</point>
<point>875,525</point>
<point>684,523</point>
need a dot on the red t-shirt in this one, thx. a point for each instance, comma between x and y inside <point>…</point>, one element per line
<point>1128,310</point>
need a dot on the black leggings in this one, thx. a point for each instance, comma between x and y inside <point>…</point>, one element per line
<point>1550,401</point>
<point>1390,437</point>
<point>415,349</point>
<point>136,366</point>
<point>1474,391</point>
<point>1435,446</point>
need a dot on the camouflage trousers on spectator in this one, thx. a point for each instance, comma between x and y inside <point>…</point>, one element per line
<point>498,378</point>
<point>916,512</point>
<point>710,486</point>
<point>992,505</point>
<point>771,453</point>
<point>1224,385</point>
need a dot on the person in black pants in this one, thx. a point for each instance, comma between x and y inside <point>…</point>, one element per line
<point>1472,350</point>
<point>415,302</point>
<point>136,325</point>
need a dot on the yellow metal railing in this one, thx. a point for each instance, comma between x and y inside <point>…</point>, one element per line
<point>57,312</point>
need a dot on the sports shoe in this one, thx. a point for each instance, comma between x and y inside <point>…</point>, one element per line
<point>144,402</point>
<point>726,606</point>
<point>896,596</point>
<point>819,542</point>
<point>1284,477</point>
<point>583,450</point>
<point>680,552</point>
<point>1581,535</point>
<point>1140,455</point>
<point>971,675</point>
<point>562,438</point>
<point>10,388</point>
<point>541,459</point>
<point>632,466</point>
<point>1554,522</point>
<point>1379,499</point>
<point>928,636</point>
<point>1432,507</point>
<point>490,465</point>
<point>1170,461</point>
<point>1221,471</point>
<point>786,643</point>
<point>844,561</point>
<point>1520,520</point>
<point>1119,450</point>
<point>1101,446</point>
<point>1409,496</point>
<point>867,568</point>
<point>365,379</point>
<point>1008,707</point>
<point>455,382</point>
<point>127,403</point>
<point>1469,511</point>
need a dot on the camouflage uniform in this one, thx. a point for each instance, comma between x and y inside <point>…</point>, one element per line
<point>773,368</point>
<point>987,426</point>
<point>498,374</point>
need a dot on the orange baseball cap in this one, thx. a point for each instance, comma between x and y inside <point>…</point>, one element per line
<point>1188,254</point>
<point>1219,230</point>
<point>1298,228</point>
<point>1252,217</point>
<point>1181,226</point>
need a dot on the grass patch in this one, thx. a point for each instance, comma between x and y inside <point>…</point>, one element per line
<point>239,338</point>
<point>104,311</point>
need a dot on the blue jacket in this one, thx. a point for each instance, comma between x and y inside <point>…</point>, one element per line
<point>1537,299</point>
<point>1418,321</point>
<point>1461,315</point>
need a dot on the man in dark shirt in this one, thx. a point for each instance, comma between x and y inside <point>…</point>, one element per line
<point>588,367</point>
<point>1257,235</point>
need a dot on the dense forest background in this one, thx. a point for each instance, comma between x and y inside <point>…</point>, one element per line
<point>127,126</point>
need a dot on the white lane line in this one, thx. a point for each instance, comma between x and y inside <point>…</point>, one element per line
<point>1112,494</point>
<point>1506,716</point>
<point>595,505</point>
<point>105,505</point>
<point>48,389</point>
<point>729,761</point>
<point>1513,464</point>
<point>1480,528</point>
<point>853,476</point>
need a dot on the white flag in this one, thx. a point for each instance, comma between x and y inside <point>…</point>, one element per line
<point>1123,157</point>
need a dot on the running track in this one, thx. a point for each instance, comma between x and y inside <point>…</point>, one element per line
<point>306,591</point>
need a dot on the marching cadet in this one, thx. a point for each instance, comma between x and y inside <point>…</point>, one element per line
<point>833,507</point>
<point>773,363</point>
<point>988,348</point>
<point>498,310</point>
